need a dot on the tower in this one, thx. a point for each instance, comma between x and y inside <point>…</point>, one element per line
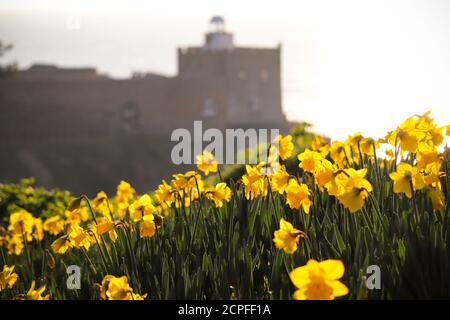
<point>217,38</point>
<point>239,86</point>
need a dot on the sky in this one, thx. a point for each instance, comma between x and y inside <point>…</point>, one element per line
<point>347,66</point>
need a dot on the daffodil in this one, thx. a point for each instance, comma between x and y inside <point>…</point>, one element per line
<point>406,136</point>
<point>279,181</point>
<point>54,225</point>
<point>368,146</point>
<point>356,190</point>
<point>426,155</point>
<point>79,237</point>
<point>124,192</point>
<point>254,182</point>
<point>35,294</point>
<point>38,229</point>
<point>148,226</point>
<point>407,179</point>
<point>325,174</point>
<point>61,244</point>
<point>310,161</point>
<point>298,195</point>
<point>432,174</point>
<point>14,244</point>
<point>206,162</point>
<point>340,153</point>
<point>105,225</point>
<point>188,187</point>
<point>141,207</point>
<point>319,280</point>
<point>7,277</point>
<point>437,198</point>
<point>283,146</point>
<point>287,237</point>
<point>22,222</point>
<point>117,288</point>
<point>100,204</point>
<point>220,193</point>
<point>188,180</point>
<point>318,143</point>
<point>76,216</point>
<point>164,193</point>
<point>122,209</point>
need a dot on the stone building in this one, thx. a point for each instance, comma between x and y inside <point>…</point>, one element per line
<point>81,130</point>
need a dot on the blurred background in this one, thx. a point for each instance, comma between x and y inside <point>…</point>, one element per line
<point>343,66</point>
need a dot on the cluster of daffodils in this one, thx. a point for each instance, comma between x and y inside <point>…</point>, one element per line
<point>8,278</point>
<point>416,142</point>
<point>412,163</point>
<point>340,170</point>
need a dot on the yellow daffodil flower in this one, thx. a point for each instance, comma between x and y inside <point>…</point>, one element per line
<point>340,153</point>
<point>34,294</point>
<point>368,146</point>
<point>298,195</point>
<point>148,226</point>
<point>7,277</point>
<point>287,237</point>
<point>282,146</point>
<point>426,155</point>
<point>279,181</point>
<point>220,193</point>
<point>54,225</point>
<point>206,162</point>
<point>79,237</point>
<point>407,179</point>
<point>141,207</point>
<point>61,244</point>
<point>254,182</point>
<point>117,288</point>
<point>319,280</point>
<point>101,205</point>
<point>356,190</point>
<point>22,222</point>
<point>76,216</point>
<point>437,198</point>
<point>310,161</point>
<point>164,193</point>
<point>124,192</point>
<point>38,229</point>
<point>14,244</point>
<point>318,143</point>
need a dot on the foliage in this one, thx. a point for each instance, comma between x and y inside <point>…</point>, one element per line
<point>43,203</point>
<point>264,235</point>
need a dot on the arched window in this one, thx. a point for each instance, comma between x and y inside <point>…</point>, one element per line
<point>130,116</point>
<point>209,108</point>
<point>242,75</point>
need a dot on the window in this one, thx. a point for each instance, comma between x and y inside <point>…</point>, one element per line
<point>264,75</point>
<point>253,104</point>
<point>130,116</point>
<point>242,75</point>
<point>209,108</point>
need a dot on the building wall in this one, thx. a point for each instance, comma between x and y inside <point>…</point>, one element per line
<point>254,87</point>
<point>79,130</point>
<point>252,81</point>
